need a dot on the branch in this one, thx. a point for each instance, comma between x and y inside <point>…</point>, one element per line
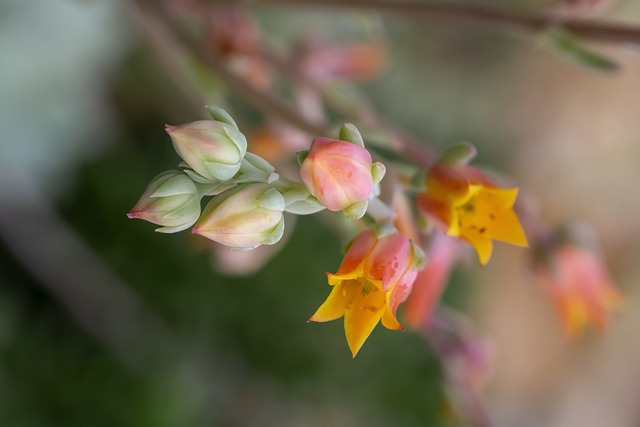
<point>480,14</point>
<point>259,99</point>
<point>264,101</point>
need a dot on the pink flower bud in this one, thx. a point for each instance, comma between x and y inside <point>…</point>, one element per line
<point>244,217</point>
<point>338,173</point>
<point>170,200</point>
<point>213,149</point>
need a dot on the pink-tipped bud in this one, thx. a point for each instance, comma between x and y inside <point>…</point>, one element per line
<point>212,148</point>
<point>244,218</point>
<point>339,174</point>
<point>170,200</point>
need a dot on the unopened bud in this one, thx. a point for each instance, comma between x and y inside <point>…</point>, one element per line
<point>339,174</point>
<point>213,149</point>
<point>170,200</point>
<point>244,218</point>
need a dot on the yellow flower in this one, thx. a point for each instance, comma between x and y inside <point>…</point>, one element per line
<point>375,276</point>
<point>462,202</point>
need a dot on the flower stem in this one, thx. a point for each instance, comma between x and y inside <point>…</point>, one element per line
<point>481,14</point>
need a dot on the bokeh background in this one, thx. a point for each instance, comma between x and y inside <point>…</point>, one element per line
<point>105,323</point>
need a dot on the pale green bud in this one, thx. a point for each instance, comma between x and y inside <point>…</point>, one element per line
<point>170,200</point>
<point>459,154</point>
<point>213,149</point>
<point>244,217</point>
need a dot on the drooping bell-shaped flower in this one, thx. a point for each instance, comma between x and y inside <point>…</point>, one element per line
<point>464,203</point>
<point>576,278</point>
<point>244,217</point>
<point>170,200</point>
<point>376,275</point>
<point>213,149</point>
<point>341,175</point>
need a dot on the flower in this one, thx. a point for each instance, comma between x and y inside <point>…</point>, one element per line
<point>340,174</point>
<point>170,200</point>
<point>326,63</point>
<point>376,275</point>
<point>212,148</point>
<point>464,203</point>
<point>578,282</point>
<point>244,217</point>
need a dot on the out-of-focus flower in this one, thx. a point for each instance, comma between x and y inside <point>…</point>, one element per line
<point>233,34</point>
<point>324,62</point>
<point>212,148</point>
<point>376,275</point>
<point>430,281</point>
<point>467,362</point>
<point>277,142</point>
<point>244,217</point>
<point>464,203</point>
<point>170,200</point>
<point>340,174</point>
<point>579,284</point>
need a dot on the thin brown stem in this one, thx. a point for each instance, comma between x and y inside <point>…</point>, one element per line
<point>258,98</point>
<point>480,14</point>
<point>262,100</point>
<point>412,149</point>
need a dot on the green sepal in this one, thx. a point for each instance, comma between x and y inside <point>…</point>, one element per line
<point>459,154</point>
<point>419,257</point>
<point>378,170</point>
<point>176,185</point>
<point>276,235</point>
<point>356,210</point>
<point>220,115</point>
<point>272,200</point>
<point>308,206</point>
<point>384,229</point>
<point>301,156</point>
<point>350,133</point>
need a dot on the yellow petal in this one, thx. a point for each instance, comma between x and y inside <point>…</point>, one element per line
<point>506,227</point>
<point>454,224</point>
<point>501,198</point>
<point>362,316</point>
<point>481,244</point>
<point>390,321</point>
<point>336,303</point>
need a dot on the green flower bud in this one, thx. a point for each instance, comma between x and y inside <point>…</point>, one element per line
<point>213,149</point>
<point>170,200</point>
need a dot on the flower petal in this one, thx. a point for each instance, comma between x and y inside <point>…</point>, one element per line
<point>506,227</point>
<point>359,248</point>
<point>334,306</point>
<point>481,244</point>
<point>362,316</point>
<point>389,260</point>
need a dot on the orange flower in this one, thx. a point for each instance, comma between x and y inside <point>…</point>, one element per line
<point>464,203</point>
<point>580,286</point>
<point>376,275</point>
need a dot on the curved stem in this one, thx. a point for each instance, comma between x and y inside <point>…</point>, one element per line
<point>481,14</point>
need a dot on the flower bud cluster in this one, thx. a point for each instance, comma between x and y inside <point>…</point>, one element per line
<point>245,211</point>
<point>249,197</point>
